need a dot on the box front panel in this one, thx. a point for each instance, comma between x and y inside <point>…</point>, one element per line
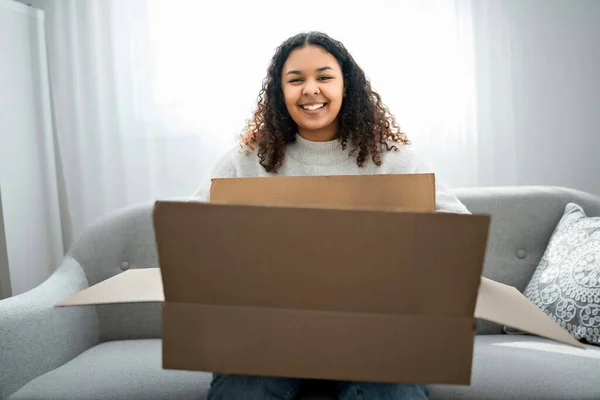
<point>318,345</point>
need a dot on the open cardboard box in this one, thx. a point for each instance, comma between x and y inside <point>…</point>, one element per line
<point>349,278</point>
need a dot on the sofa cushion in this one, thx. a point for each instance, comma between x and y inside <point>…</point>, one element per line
<point>527,367</point>
<point>128,369</point>
<point>566,283</point>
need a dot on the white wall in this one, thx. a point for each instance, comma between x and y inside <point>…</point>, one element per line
<point>5,286</point>
<point>27,173</point>
<point>556,88</point>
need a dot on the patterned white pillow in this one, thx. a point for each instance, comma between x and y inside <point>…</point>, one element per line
<point>566,283</point>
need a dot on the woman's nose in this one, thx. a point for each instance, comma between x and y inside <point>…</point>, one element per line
<point>311,88</point>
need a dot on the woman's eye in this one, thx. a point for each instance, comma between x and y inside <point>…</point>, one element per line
<point>324,78</point>
<point>296,80</point>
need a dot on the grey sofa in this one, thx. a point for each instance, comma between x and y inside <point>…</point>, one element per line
<point>114,351</point>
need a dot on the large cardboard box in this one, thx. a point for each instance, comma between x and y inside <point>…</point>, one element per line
<point>350,278</point>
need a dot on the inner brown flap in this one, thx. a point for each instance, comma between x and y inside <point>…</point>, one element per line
<point>409,191</point>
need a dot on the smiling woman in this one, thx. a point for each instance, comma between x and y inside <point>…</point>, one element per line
<point>316,90</point>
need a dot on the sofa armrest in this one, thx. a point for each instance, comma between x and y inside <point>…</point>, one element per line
<point>36,337</point>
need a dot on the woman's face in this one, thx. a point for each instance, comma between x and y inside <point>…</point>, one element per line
<point>313,89</point>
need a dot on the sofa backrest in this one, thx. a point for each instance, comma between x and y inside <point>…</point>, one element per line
<point>523,219</point>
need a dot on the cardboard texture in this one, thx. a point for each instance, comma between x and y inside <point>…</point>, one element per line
<point>409,192</point>
<point>304,289</point>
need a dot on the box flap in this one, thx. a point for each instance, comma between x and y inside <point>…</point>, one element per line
<point>414,192</point>
<point>132,286</point>
<point>505,305</point>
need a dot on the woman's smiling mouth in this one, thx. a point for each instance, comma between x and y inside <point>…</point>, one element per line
<point>313,108</point>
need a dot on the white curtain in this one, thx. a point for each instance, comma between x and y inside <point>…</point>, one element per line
<point>494,37</point>
<point>148,94</point>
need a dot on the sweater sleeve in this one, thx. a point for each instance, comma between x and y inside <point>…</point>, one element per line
<point>225,168</point>
<point>445,201</point>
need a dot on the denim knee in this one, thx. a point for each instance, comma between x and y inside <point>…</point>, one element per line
<point>235,387</point>
<point>382,391</point>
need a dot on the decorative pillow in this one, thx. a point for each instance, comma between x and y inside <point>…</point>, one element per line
<point>566,283</point>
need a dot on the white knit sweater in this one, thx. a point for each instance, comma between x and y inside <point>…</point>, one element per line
<point>307,158</point>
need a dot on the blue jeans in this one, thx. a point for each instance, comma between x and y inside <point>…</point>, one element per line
<point>241,387</point>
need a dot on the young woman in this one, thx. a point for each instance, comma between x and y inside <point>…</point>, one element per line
<point>317,115</point>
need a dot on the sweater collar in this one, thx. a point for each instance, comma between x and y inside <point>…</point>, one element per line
<point>317,153</point>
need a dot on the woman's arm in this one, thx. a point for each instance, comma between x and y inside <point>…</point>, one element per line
<point>445,201</point>
<point>225,168</point>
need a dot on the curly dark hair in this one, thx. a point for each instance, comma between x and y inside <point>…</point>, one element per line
<point>364,120</point>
